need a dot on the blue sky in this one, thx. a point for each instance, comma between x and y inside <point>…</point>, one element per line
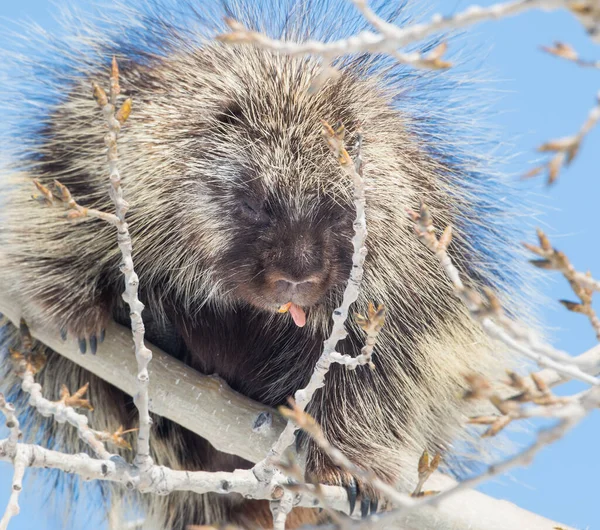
<point>532,98</point>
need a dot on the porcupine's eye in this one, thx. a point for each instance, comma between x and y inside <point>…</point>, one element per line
<point>255,212</point>
<point>339,216</point>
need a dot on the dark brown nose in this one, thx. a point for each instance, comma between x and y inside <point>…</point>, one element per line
<point>288,287</point>
<point>292,287</point>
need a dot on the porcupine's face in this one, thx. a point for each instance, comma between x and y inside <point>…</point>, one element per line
<point>288,208</point>
<point>289,243</point>
<point>286,248</point>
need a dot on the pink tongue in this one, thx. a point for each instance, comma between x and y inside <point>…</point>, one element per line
<point>298,315</point>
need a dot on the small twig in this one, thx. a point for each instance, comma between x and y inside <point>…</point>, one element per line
<point>565,51</point>
<point>528,391</point>
<point>143,355</point>
<point>425,469</point>
<point>12,423</point>
<point>483,308</point>
<point>583,285</point>
<point>391,37</point>
<point>19,463</point>
<point>353,169</point>
<point>569,418</point>
<point>305,422</point>
<point>552,378</point>
<point>266,469</point>
<point>565,149</point>
<point>280,510</point>
<point>372,324</point>
<point>60,410</point>
<point>239,34</point>
<point>292,469</point>
<point>59,192</point>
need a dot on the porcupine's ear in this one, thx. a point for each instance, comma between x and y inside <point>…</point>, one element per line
<point>231,114</point>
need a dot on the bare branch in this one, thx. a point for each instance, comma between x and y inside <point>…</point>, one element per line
<point>556,260</point>
<point>305,422</point>
<point>281,508</point>
<point>143,355</point>
<point>391,37</point>
<point>570,416</point>
<point>164,480</point>
<point>565,51</point>
<point>12,423</point>
<point>499,327</point>
<point>19,464</point>
<point>59,410</point>
<point>565,149</point>
<point>353,169</point>
<point>552,377</point>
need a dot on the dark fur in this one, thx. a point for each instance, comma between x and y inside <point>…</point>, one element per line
<point>233,192</point>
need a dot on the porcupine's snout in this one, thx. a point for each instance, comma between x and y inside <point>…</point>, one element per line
<point>295,265</point>
<point>303,293</point>
<point>297,270</point>
<point>293,290</point>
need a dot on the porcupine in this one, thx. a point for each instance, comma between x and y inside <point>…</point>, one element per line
<point>237,207</point>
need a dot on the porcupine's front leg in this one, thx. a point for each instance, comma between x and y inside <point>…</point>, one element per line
<point>78,304</point>
<point>70,265</point>
<point>88,325</point>
<point>81,313</point>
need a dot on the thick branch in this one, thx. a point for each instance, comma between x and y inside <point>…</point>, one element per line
<point>203,404</point>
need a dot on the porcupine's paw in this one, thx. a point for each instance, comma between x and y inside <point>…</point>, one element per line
<point>88,326</point>
<point>362,499</point>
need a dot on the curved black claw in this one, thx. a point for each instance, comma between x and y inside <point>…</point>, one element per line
<point>368,506</point>
<point>102,335</point>
<point>93,344</point>
<point>352,491</point>
<point>82,345</point>
<point>63,333</point>
<point>365,503</point>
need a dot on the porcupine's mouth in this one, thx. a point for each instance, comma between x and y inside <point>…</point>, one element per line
<point>272,303</point>
<point>284,296</point>
<point>296,312</point>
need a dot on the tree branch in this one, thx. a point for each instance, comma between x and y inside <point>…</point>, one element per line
<point>392,37</point>
<point>203,404</point>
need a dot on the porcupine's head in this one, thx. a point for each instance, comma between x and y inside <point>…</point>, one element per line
<point>285,205</point>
